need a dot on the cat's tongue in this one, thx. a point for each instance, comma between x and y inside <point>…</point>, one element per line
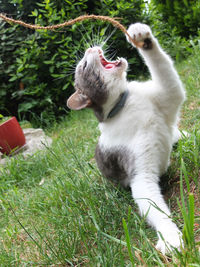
<point>109,66</point>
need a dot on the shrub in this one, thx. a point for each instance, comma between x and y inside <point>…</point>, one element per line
<point>183,15</point>
<point>175,24</point>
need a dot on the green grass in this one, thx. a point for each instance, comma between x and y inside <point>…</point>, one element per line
<point>57,210</point>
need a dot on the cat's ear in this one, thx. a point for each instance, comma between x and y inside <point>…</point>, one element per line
<point>78,101</point>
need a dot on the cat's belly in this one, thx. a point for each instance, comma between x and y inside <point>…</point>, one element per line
<point>114,163</point>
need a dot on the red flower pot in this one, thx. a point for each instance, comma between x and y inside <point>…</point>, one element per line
<point>11,136</point>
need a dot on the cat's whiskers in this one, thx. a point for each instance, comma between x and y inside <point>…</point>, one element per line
<point>91,40</point>
<point>108,38</point>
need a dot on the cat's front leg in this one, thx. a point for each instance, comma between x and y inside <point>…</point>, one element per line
<point>146,193</point>
<point>168,91</point>
<point>159,63</point>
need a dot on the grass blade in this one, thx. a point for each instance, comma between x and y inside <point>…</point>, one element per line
<point>128,242</point>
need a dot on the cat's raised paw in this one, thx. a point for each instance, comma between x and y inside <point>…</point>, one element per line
<point>141,34</point>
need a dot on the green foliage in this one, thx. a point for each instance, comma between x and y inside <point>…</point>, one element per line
<point>187,209</point>
<point>180,14</point>
<point>3,119</point>
<point>177,37</point>
<point>36,66</point>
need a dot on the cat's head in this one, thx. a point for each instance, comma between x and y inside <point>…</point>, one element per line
<point>98,82</point>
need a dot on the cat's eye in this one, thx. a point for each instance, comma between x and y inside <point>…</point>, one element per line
<point>85,65</point>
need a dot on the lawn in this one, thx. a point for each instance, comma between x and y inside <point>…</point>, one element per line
<point>57,210</point>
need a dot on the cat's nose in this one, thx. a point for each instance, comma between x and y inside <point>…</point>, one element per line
<point>93,49</point>
<point>90,50</point>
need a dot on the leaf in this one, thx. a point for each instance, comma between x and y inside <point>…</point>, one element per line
<point>13,78</point>
<point>35,13</point>
<point>23,107</point>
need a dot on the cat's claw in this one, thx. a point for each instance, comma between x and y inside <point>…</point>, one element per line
<point>141,34</point>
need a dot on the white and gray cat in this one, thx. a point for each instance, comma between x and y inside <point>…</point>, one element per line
<point>138,124</point>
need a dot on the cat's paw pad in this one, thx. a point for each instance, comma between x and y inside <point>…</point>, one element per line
<point>171,241</point>
<point>141,34</point>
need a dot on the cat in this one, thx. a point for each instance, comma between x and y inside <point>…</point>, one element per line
<point>138,124</point>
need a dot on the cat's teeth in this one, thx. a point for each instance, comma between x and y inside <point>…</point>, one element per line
<point>118,61</point>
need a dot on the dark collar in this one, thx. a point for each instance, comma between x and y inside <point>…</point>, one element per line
<point>119,105</point>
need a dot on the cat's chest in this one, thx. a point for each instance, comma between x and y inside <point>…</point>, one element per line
<point>113,137</point>
<point>137,117</point>
<point>122,130</point>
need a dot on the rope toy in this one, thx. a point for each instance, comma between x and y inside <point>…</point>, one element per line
<point>113,21</point>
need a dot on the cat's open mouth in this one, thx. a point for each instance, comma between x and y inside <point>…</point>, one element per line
<point>108,64</point>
